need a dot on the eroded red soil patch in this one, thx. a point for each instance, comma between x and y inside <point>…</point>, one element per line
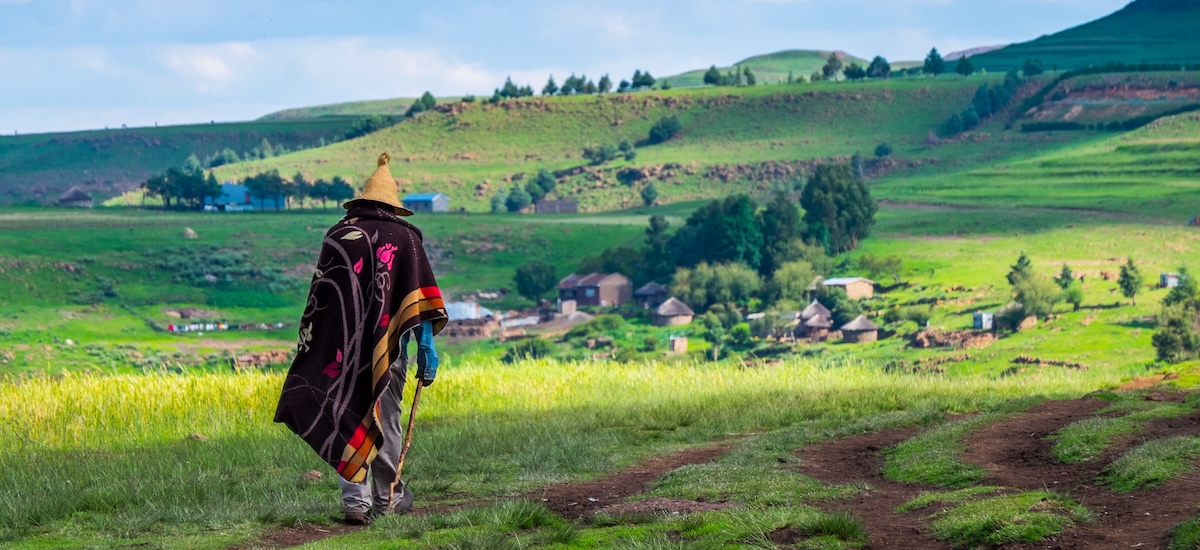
<point>288,537</point>
<point>857,459</point>
<point>573,500</point>
<point>1017,454</point>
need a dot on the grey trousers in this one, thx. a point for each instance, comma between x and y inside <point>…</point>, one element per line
<point>381,473</point>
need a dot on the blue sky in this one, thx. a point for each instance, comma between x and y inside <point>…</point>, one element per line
<point>75,64</point>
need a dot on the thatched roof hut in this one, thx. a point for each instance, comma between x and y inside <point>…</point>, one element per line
<point>860,330</point>
<point>673,313</point>
<point>75,197</point>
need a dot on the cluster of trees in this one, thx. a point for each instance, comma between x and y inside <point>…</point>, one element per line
<point>878,68</point>
<point>601,154</point>
<point>666,129</point>
<point>582,85</point>
<point>424,103</point>
<point>519,197</point>
<point>1035,295</point>
<point>183,188</point>
<point>510,91</point>
<point>836,212</point>
<point>737,76</point>
<point>987,101</point>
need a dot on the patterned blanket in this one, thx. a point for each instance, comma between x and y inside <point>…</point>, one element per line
<point>372,284</point>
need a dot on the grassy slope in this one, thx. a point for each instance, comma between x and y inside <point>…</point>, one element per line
<point>484,144</point>
<point>41,166</point>
<point>1148,172</point>
<point>1147,31</point>
<point>394,106</point>
<point>770,68</point>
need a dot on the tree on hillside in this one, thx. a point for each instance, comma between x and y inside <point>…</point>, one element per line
<point>589,87</point>
<point>545,181</point>
<point>665,129</point>
<point>838,207</point>
<point>879,266</point>
<point>518,199</point>
<point>428,100</point>
<point>605,84</point>
<point>842,308</point>
<point>301,188</point>
<point>1186,291</point>
<point>790,282</point>
<point>1065,277</point>
<point>883,150</point>
<point>534,278</point>
<point>706,285</point>
<point>982,101</point>
<point>720,232</point>
<point>964,67</point>
<point>879,68</point>
<point>1037,295</point>
<point>750,79</point>
<point>623,86</point>
<point>854,71</point>
<point>425,103</point>
<point>780,223</point>
<point>934,64</point>
<point>600,154</point>
<point>551,87</point>
<point>268,185</point>
<point>1130,281</point>
<point>1032,67</point>
<point>642,80</point>
<point>649,194</point>
<point>832,67</point>
<point>628,150</point>
<point>657,264</point>
<point>712,76</point>
<point>340,190</point>
<point>1022,270</point>
<point>1177,337</point>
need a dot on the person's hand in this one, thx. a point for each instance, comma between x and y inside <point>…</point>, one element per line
<point>427,357</point>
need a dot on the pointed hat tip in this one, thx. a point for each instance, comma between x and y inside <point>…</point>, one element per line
<point>383,159</point>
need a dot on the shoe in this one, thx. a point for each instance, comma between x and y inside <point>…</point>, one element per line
<point>401,504</point>
<point>355,517</point>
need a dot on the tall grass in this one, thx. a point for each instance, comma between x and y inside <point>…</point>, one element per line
<point>113,454</point>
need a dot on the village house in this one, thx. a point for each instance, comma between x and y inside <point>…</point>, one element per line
<point>562,206</point>
<point>984,320</point>
<point>1168,280</point>
<point>75,198</point>
<point>236,197</point>
<point>427,202</point>
<point>815,317</point>
<point>816,329</point>
<point>673,313</point>
<point>857,288</point>
<point>651,295</point>
<point>596,289</point>
<point>860,331</point>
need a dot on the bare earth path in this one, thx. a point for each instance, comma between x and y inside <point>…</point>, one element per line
<point>570,500</point>
<point>858,458</point>
<point>1016,454</point>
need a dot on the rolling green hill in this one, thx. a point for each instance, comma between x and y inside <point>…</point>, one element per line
<point>394,107</point>
<point>745,139</point>
<point>39,167</point>
<point>771,68</point>
<point>1145,31</point>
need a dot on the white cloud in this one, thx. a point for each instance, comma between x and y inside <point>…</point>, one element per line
<point>617,25</point>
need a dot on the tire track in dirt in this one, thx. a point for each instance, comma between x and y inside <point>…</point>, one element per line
<point>569,500</point>
<point>858,459</point>
<point>1017,454</point>
<point>575,500</point>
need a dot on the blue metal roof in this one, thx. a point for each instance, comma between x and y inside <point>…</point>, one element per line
<point>423,197</point>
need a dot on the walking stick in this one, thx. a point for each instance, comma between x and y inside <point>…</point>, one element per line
<point>412,414</point>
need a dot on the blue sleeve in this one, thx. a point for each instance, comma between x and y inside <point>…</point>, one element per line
<point>427,358</point>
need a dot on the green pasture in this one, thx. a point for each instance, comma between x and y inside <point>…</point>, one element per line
<point>194,461</point>
<point>728,133</point>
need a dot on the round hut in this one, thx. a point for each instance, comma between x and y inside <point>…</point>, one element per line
<point>817,328</point>
<point>860,331</point>
<point>673,313</point>
<point>75,198</point>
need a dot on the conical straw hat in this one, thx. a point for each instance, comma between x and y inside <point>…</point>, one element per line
<point>381,187</point>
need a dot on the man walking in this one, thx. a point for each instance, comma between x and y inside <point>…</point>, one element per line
<point>373,290</point>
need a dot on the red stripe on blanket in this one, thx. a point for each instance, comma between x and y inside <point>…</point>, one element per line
<point>359,435</point>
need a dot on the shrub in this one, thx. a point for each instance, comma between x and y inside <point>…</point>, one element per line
<point>665,129</point>
<point>530,348</point>
<point>883,150</point>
